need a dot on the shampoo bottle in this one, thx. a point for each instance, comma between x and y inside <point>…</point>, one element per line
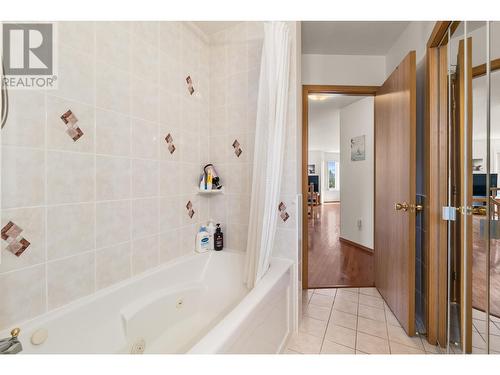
<point>218,239</point>
<point>211,233</point>
<point>202,241</point>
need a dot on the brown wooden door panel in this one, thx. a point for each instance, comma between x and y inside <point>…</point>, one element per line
<point>462,234</point>
<point>395,159</point>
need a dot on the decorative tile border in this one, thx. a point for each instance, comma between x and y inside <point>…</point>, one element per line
<point>170,143</point>
<point>237,148</point>
<point>190,210</point>
<point>73,130</point>
<point>283,214</point>
<point>190,87</point>
<point>12,234</point>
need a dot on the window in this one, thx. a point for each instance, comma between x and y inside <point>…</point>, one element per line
<point>332,169</point>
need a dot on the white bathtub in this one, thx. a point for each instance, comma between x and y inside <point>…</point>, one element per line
<point>196,304</point>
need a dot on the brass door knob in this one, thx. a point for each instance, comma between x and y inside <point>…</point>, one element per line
<point>401,206</point>
<point>417,207</point>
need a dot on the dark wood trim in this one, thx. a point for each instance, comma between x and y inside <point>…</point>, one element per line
<point>355,244</point>
<point>341,89</point>
<point>480,70</point>
<point>318,89</point>
<point>438,33</point>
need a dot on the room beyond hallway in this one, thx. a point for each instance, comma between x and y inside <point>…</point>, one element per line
<point>332,262</point>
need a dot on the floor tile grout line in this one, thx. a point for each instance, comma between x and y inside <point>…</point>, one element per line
<point>328,321</point>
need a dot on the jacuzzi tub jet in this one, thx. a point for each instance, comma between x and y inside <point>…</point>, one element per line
<point>138,347</point>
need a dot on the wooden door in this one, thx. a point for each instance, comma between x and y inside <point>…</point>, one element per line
<point>461,262</point>
<point>395,179</point>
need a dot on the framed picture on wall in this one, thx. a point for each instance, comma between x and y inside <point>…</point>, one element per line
<point>311,169</point>
<point>358,148</point>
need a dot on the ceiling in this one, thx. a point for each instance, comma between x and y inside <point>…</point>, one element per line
<point>334,101</point>
<point>212,27</point>
<point>350,38</point>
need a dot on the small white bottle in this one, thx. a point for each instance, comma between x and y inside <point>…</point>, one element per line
<point>211,232</point>
<point>202,241</point>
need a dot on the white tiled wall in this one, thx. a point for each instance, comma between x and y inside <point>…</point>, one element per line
<point>235,57</point>
<point>111,204</point>
<point>235,67</point>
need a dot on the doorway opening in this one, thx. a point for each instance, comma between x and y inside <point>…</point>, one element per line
<point>338,181</point>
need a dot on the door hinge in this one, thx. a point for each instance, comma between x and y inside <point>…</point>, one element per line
<point>454,275</point>
<point>449,213</point>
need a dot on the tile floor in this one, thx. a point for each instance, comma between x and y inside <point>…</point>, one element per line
<point>352,321</point>
<point>479,333</point>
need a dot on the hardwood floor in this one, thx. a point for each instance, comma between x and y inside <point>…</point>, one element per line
<point>331,262</point>
<point>479,271</point>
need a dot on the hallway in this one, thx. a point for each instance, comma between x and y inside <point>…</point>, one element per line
<point>333,263</point>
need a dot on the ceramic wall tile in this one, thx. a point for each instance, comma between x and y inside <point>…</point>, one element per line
<point>112,133</point>
<point>112,178</point>
<point>23,177</point>
<point>145,174</point>
<point>75,84</point>
<point>26,122</point>
<point>113,264</point>
<point>113,222</point>
<point>57,130</point>
<point>145,217</point>
<point>145,254</point>
<point>31,281</point>
<point>70,278</point>
<point>113,44</point>
<point>70,229</point>
<point>32,222</point>
<point>113,90</point>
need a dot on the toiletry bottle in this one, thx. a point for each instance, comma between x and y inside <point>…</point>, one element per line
<point>211,232</point>
<point>218,238</point>
<point>209,180</point>
<point>202,240</point>
<point>202,182</point>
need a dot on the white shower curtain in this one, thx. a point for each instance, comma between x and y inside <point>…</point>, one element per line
<point>269,148</point>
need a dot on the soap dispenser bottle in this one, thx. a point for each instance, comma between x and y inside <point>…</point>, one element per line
<point>218,238</point>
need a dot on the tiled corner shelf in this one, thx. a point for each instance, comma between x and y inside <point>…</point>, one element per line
<point>211,192</point>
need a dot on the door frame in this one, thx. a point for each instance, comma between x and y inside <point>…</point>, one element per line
<point>436,163</point>
<point>320,89</point>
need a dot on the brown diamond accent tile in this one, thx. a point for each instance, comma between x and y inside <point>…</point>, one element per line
<point>237,148</point>
<point>189,205</point>
<point>10,230</point>
<point>283,214</point>
<point>189,82</point>
<point>70,121</point>
<point>69,118</point>
<point>11,233</point>
<point>282,206</point>
<point>169,139</point>
<point>191,213</point>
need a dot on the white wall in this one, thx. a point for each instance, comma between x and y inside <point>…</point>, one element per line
<point>343,70</point>
<point>414,37</point>
<point>356,177</point>
<point>324,127</point>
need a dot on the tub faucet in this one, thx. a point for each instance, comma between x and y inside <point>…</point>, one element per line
<point>11,345</point>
